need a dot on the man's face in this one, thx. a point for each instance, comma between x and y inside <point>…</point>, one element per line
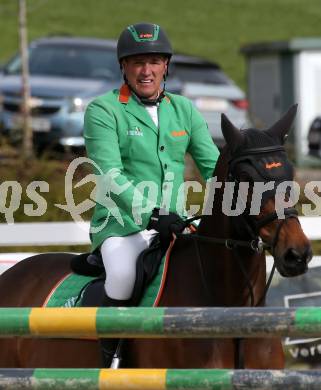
<point>145,73</point>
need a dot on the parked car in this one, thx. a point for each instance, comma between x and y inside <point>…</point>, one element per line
<point>212,92</point>
<point>66,73</point>
<point>314,137</point>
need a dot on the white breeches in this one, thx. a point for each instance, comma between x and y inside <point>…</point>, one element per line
<point>119,256</point>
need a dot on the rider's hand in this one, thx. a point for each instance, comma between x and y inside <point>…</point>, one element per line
<point>166,224</point>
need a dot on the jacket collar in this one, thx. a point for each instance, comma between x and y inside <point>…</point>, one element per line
<point>124,94</point>
<point>137,109</point>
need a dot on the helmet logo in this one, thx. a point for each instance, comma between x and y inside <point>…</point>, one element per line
<point>146,36</point>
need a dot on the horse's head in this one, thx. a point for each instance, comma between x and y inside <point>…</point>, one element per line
<point>258,157</point>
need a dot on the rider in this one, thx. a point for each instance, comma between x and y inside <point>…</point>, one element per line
<point>137,137</point>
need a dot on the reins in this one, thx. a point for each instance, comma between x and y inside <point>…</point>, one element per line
<point>256,245</point>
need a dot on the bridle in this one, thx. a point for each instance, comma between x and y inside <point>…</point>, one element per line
<point>252,225</point>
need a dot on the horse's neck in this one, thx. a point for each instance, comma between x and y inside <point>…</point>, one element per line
<point>225,276</point>
<point>215,223</point>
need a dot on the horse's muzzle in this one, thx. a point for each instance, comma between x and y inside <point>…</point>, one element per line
<point>294,262</point>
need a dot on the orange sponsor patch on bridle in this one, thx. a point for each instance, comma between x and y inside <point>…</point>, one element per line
<point>273,165</point>
<point>179,133</point>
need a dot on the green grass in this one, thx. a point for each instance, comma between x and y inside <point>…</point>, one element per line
<point>215,29</point>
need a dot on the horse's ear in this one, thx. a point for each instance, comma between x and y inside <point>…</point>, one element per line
<point>232,135</point>
<point>281,128</point>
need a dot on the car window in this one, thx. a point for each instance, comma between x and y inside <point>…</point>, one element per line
<point>198,73</point>
<point>69,61</point>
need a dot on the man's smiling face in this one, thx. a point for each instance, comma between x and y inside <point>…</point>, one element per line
<point>145,73</point>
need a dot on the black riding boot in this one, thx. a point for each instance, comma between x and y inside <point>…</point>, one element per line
<point>109,346</point>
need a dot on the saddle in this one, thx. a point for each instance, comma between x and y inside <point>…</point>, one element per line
<point>90,264</point>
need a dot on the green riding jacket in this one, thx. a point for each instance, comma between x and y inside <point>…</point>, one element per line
<point>140,166</point>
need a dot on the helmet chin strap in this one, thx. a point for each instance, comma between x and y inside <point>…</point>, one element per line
<point>152,102</point>
<point>147,101</point>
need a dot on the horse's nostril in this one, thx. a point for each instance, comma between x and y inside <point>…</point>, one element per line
<point>292,255</point>
<point>308,254</point>
<point>295,261</point>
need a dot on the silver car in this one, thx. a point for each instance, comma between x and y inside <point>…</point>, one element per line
<point>65,74</point>
<point>212,92</point>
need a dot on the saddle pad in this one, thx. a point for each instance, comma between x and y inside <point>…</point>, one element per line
<point>67,290</point>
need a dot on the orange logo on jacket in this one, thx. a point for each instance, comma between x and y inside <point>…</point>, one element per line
<point>273,165</point>
<point>179,133</point>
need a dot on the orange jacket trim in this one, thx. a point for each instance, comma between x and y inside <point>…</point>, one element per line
<point>124,94</point>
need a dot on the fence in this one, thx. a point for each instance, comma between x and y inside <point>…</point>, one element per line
<point>161,322</point>
<point>71,233</point>
<point>158,379</point>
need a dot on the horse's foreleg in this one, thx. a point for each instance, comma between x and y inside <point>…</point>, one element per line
<point>263,353</point>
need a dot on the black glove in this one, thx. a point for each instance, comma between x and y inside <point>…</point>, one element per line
<point>166,224</point>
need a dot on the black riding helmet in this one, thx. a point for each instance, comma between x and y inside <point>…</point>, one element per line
<point>143,38</point>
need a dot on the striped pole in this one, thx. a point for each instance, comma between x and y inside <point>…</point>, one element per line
<point>160,322</point>
<point>158,379</point>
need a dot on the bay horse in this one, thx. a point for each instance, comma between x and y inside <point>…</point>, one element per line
<point>202,271</point>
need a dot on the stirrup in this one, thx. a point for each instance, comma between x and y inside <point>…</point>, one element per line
<point>111,357</point>
<point>111,361</point>
<point>117,358</point>
<point>115,363</point>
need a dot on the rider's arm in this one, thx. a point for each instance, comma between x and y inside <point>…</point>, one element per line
<point>201,147</point>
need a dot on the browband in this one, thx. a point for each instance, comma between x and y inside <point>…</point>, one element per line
<point>251,151</point>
